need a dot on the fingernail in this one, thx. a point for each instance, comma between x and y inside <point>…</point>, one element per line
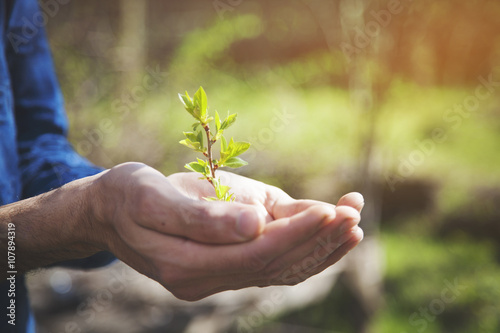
<point>247,224</point>
<point>360,206</point>
<point>361,200</point>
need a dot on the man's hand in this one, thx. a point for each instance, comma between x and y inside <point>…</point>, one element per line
<point>162,227</point>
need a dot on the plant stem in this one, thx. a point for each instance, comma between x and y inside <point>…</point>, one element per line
<point>209,150</point>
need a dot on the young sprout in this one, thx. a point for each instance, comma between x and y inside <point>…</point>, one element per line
<point>228,153</point>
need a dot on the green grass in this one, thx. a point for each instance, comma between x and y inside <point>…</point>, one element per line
<point>419,272</point>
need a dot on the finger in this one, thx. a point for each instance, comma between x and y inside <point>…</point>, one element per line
<point>183,261</point>
<point>164,209</point>
<point>316,250</point>
<point>321,245</point>
<point>218,222</point>
<point>357,237</point>
<point>287,206</point>
<point>180,261</point>
<point>200,288</point>
<point>353,199</point>
<point>278,237</point>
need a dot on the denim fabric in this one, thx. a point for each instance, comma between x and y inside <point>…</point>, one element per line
<point>35,155</point>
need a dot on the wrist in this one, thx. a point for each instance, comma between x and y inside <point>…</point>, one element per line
<point>80,199</point>
<point>99,212</point>
<point>54,227</point>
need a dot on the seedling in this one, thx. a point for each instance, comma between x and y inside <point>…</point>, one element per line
<point>229,151</point>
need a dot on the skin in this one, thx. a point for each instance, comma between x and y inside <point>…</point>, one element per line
<point>162,227</point>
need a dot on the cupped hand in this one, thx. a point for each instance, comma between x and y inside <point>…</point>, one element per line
<point>162,227</point>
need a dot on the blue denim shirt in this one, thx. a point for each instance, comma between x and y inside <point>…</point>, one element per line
<point>35,155</point>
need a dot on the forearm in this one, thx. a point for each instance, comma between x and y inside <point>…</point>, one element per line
<point>49,228</point>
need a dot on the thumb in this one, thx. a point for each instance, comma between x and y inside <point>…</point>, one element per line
<point>217,222</point>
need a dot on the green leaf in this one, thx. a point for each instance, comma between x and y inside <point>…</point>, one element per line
<point>196,167</point>
<point>188,103</point>
<point>239,148</point>
<point>194,141</point>
<point>200,101</point>
<point>199,137</point>
<point>202,162</point>
<point>225,151</point>
<point>218,130</point>
<point>217,122</point>
<point>234,149</point>
<point>221,190</point>
<point>235,162</point>
<point>190,144</point>
<point>191,136</point>
<point>228,121</point>
<point>217,136</point>
<point>230,197</point>
<point>193,145</point>
<point>205,165</point>
<point>186,100</point>
<point>223,144</point>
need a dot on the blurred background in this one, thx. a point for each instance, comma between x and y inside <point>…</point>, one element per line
<point>398,100</point>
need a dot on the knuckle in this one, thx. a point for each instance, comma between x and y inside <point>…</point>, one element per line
<point>143,202</point>
<point>195,215</point>
<point>199,213</point>
<point>196,221</point>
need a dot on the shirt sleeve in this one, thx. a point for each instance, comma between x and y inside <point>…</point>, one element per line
<point>47,160</point>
